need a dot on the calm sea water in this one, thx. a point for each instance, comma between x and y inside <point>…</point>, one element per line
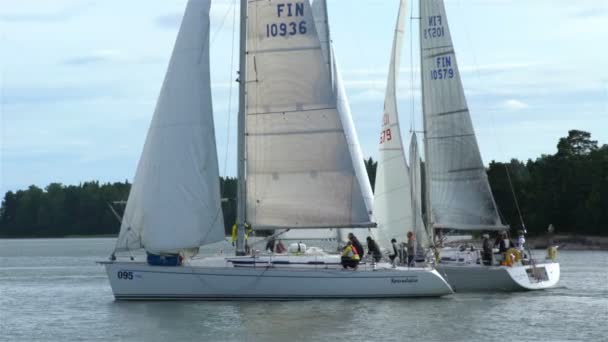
<point>52,290</point>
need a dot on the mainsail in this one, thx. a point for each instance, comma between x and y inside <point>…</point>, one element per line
<point>392,197</point>
<point>174,202</point>
<point>460,196</point>
<point>301,172</point>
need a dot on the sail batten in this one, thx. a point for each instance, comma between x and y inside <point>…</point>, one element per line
<point>301,167</point>
<point>174,202</point>
<point>459,191</point>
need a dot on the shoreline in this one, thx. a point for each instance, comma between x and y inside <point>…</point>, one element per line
<point>565,242</point>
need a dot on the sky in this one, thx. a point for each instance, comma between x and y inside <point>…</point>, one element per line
<point>79,78</point>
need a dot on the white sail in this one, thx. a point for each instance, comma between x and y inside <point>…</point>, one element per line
<point>174,202</point>
<point>319,12</point>
<point>392,197</point>
<point>300,170</point>
<point>415,176</point>
<point>459,190</point>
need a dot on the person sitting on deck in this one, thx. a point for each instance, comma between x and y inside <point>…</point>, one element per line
<point>350,257</point>
<point>270,245</point>
<point>373,249</point>
<point>280,248</point>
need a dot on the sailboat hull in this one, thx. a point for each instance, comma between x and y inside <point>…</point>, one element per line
<point>224,281</point>
<point>473,277</point>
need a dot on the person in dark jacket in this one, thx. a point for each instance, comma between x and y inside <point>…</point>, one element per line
<point>352,238</point>
<point>373,249</point>
<point>503,242</point>
<point>395,251</point>
<point>411,249</point>
<point>486,254</point>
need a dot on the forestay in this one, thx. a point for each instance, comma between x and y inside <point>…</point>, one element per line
<point>300,169</point>
<point>416,185</point>
<point>319,9</point>
<point>392,197</point>
<point>459,190</point>
<point>174,202</point>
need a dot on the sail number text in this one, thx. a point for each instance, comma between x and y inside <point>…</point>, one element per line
<point>443,68</point>
<point>291,28</point>
<point>125,275</point>
<point>435,28</point>
<point>385,135</point>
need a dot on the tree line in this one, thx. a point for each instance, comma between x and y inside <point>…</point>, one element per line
<point>568,189</point>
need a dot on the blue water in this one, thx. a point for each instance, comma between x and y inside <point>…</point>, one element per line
<point>52,290</point>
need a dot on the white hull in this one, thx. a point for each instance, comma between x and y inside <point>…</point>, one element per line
<point>218,279</point>
<point>474,277</point>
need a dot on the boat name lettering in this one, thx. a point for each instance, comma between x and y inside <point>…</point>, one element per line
<point>385,135</point>
<point>404,280</point>
<point>292,28</point>
<point>435,29</point>
<point>126,275</point>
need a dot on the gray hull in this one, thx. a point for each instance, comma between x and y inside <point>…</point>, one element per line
<point>473,277</point>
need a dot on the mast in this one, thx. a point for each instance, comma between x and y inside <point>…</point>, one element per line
<point>242,188</point>
<point>427,173</point>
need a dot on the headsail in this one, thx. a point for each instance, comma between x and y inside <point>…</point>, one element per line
<point>174,202</point>
<point>421,234</point>
<point>300,170</point>
<point>459,190</point>
<point>392,197</point>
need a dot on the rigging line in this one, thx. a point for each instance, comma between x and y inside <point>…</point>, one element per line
<point>228,128</point>
<point>521,219</point>
<point>412,80</point>
<point>216,33</point>
<point>493,124</point>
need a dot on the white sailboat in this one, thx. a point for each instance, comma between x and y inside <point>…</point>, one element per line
<point>458,194</point>
<point>297,153</point>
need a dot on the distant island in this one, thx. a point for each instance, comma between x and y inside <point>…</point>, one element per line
<point>568,190</point>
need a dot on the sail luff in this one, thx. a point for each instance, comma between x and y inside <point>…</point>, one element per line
<point>459,191</point>
<point>392,198</point>
<point>428,215</point>
<point>174,202</point>
<point>321,16</point>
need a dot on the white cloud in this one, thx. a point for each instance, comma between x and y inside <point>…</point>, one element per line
<point>513,104</point>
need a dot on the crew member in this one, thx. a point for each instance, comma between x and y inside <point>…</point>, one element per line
<point>352,238</point>
<point>486,255</point>
<point>373,249</point>
<point>411,249</point>
<point>350,257</point>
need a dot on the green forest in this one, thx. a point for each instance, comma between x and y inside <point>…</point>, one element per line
<point>568,189</point>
